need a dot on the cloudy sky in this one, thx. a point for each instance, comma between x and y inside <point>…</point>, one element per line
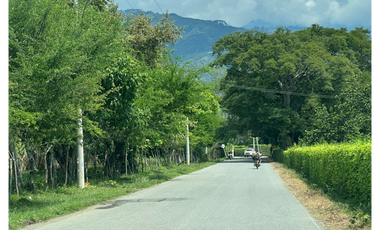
<point>348,13</point>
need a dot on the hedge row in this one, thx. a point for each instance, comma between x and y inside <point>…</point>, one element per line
<point>344,169</point>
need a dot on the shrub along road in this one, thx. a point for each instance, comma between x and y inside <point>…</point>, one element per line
<point>229,195</point>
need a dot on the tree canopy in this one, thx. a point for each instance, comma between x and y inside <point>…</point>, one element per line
<point>134,96</point>
<point>281,86</point>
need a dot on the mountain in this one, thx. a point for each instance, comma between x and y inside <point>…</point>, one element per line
<point>198,36</point>
<point>269,27</point>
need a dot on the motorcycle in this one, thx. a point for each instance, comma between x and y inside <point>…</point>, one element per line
<point>256,162</point>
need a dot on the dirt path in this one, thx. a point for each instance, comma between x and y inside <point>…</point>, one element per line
<point>330,214</point>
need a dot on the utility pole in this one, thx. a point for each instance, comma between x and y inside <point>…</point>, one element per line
<point>254,144</point>
<point>80,154</point>
<point>187,142</point>
<point>257,141</point>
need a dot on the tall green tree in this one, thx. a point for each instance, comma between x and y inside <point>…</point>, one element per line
<point>169,95</point>
<point>57,58</point>
<point>148,40</point>
<point>270,77</point>
<point>116,117</point>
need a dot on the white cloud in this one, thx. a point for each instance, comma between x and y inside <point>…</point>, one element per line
<point>310,4</point>
<point>352,14</point>
<point>241,12</point>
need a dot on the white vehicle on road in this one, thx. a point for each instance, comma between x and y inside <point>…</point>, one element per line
<point>249,152</point>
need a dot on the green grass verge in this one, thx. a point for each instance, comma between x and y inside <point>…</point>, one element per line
<point>28,208</point>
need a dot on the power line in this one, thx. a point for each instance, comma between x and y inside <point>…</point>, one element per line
<point>129,4</point>
<point>159,6</point>
<point>279,92</point>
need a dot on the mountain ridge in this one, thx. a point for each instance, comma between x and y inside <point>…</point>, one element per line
<point>200,35</point>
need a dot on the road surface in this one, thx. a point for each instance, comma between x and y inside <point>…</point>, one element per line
<point>230,195</point>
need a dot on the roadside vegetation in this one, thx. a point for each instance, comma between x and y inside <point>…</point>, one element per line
<point>87,63</point>
<point>334,181</point>
<point>331,210</point>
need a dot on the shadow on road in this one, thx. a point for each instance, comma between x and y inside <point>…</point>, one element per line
<point>116,203</point>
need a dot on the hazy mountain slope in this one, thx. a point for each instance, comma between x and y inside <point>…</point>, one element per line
<point>270,27</point>
<point>198,36</point>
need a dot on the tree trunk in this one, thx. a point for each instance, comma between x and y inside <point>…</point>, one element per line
<point>54,171</point>
<point>147,162</point>
<point>133,164</point>
<point>8,162</point>
<point>46,173</point>
<point>32,162</point>
<point>86,170</point>
<point>156,157</point>
<point>10,168</point>
<point>17,168</point>
<point>66,166</point>
<point>16,181</point>
<point>126,161</point>
<point>50,166</point>
<point>95,168</point>
<point>13,169</point>
<point>142,161</point>
<point>46,178</point>
<point>105,166</point>
<point>170,157</point>
<point>74,163</point>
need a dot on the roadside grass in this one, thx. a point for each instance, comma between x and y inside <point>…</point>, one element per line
<point>333,213</point>
<point>29,208</point>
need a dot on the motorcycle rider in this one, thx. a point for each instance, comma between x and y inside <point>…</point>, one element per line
<point>257,156</point>
<point>230,155</point>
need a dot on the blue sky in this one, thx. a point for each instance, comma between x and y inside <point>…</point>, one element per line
<point>347,13</point>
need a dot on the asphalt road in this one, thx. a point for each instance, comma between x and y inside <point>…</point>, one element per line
<point>229,195</point>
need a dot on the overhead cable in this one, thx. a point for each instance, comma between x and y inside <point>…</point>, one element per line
<point>279,92</point>
<point>159,6</point>
<point>129,4</point>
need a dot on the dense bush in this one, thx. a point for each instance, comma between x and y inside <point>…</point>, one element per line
<point>278,155</point>
<point>343,168</point>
